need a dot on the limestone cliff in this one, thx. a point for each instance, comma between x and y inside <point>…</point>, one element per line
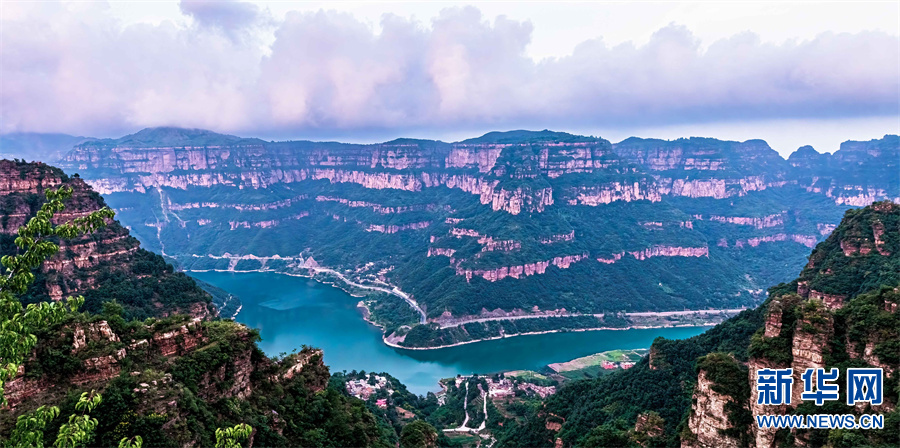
<point>708,419</point>
<point>728,216</point>
<point>96,265</point>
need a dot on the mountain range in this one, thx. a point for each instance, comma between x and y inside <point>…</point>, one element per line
<point>557,230</point>
<point>172,377</point>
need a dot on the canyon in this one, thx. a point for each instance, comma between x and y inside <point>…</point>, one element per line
<point>506,221</point>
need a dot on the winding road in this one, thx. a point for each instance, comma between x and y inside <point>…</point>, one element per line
<point>394,291</point>
<point>600,315</point>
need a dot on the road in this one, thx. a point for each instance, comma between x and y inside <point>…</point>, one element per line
<point>395,291</point>
<point>641,314</point>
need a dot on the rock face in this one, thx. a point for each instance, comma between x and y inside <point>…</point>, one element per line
<point>179,341</point>
<point>810,344</point>
<point>528,200</point>
<point>708,417</point>
<point>101,368</point>
<point>82,262</point>
<point>762,437</point>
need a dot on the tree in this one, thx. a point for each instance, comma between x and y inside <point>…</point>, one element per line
<point>18,324</point>
<point>80,429</point>
<point>418,434</point>
<point>232,437</point>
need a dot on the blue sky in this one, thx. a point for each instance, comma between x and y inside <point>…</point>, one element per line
<point>789,73</point>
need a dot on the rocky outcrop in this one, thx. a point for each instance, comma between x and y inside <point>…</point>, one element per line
<point>772,327</point>
<point>611,258</point>
<point>810,343</point>
<point>301,360</point>
<point>868,354</point>
<point>394,228</point>
<point>101,368</point>
<point>21,388</point>
<point>759,223</point>
<point>762,437</point>
<point>95,332</point>
<point>708,418</point>
<point>237,372</point>
<point>806,240</point>
<point>179,341</point>
<point>670,251</point>
<point>558,238</point>
<point>612,192</point>
<point>493,275</point>
<point>83,261</point>
<point>440,251</point>
<point>649,425</point>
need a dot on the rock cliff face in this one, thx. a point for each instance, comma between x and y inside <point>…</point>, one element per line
<point>528,200</point>
<point>803,326</point>
<point>175,375</point>
<point>88,265</point>
<point>97,368</point>
<point>708,418</point>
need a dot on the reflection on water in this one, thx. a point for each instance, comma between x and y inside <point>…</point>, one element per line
<point>292,311</point>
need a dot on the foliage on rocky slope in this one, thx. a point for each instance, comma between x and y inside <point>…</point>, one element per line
<point>172,380</point>
<point>105,265</point>
<point>505,222</point>
<point>841,312</point>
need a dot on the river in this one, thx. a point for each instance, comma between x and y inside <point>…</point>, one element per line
<point>291,311</point>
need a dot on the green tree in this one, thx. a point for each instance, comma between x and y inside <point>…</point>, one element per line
<point>134,442</point>
<point>35,239</point>
<point>29,430</point>
<point>418,434</point>
<point>232,437</point>
<point>80,429</point>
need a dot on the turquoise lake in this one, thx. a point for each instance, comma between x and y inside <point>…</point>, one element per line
<point>292,311</point>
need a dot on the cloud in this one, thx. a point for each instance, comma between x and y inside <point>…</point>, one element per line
<point>228,16</point>
<point>85,72</point>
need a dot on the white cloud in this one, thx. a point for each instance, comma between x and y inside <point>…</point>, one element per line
<point>233,67</point>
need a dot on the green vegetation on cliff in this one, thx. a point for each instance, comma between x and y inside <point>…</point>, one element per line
<point>859,324</point>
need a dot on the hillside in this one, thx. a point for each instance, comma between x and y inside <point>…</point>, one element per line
<point>509,224</point>
<point>108,264</point>
<point>170,378</point>
<point>840,312</point>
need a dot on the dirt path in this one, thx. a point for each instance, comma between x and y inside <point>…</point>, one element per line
<point>463,427</point>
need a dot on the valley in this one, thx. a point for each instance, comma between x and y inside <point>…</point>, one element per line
<point>292,310</point>
<point>576,230</point>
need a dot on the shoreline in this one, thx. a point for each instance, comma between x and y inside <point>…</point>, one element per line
<point>384,336</point>
<point>532,333</point>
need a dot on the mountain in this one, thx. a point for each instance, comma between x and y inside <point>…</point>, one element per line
<point>558,230</point>
<point>840,312</point>
<point>36,146</point>
<point>108,264</point>
<point>170,378</point>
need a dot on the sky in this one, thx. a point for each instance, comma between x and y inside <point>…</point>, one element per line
<point>789,73</point>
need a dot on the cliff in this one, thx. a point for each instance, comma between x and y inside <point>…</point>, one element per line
<point>165,381</point>
<point>802,323</point>
<point>711,222</point>
<point>841,312</point>
<point>108,264</point>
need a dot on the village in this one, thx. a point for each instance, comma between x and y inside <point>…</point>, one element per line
<point>364,388</point>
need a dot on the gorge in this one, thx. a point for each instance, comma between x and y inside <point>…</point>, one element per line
<point>509,223</point>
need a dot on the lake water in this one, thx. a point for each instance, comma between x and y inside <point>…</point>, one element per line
<point>291,311</point>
